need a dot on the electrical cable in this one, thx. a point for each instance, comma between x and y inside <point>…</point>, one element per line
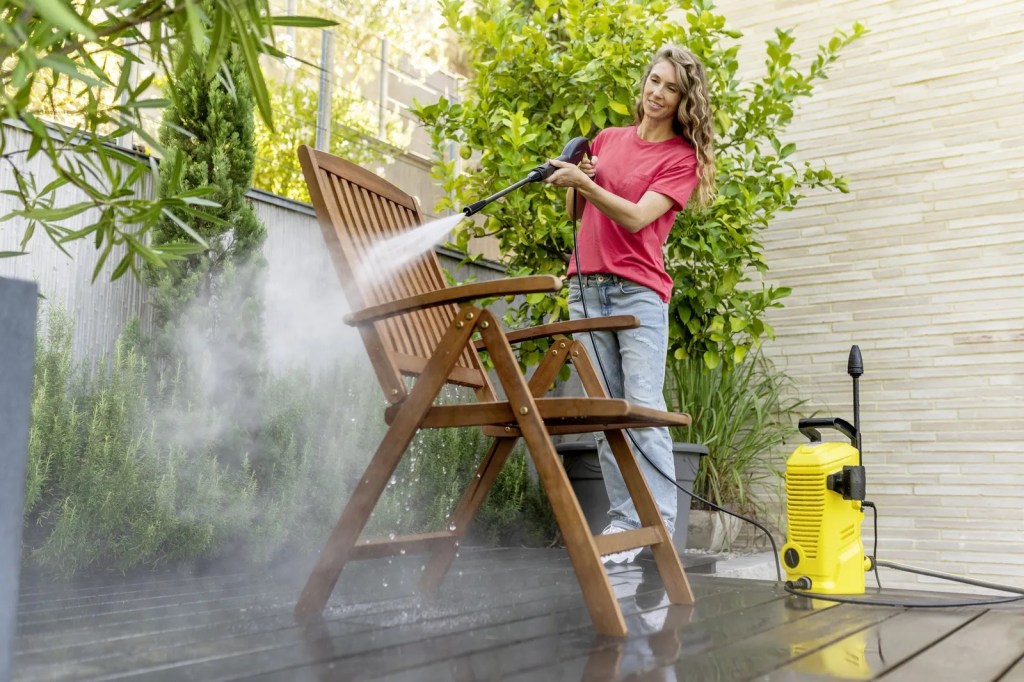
<point>600,364</point>
<point>950,576</point>
<point>925,604</point>
<point>874,549</point>
<point>899,604</point>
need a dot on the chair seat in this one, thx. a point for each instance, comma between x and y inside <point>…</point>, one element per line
<point>560,415</point>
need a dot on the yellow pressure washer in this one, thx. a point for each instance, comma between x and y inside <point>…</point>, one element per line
<point>824,504</point>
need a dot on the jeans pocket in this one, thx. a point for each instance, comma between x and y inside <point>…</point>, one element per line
<point>575,296</point>
<point>628,288</point>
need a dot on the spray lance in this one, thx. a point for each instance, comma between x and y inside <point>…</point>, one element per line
<point>573,153</point>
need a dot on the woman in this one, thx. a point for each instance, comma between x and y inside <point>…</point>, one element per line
<point>647,174</point>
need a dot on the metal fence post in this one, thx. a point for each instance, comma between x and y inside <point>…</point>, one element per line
<point>323,107</point>
<point>383,94</point>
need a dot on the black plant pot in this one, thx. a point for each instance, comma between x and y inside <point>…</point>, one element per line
<point>584,471</point>
<point>18,301</point>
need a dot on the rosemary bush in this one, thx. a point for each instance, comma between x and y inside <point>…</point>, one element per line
<point>130,467</point>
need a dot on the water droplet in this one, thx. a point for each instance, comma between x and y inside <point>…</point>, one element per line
<point>391,536</point>
<point>401,551</point>
<point>385,583</point>
<point>451,527</point>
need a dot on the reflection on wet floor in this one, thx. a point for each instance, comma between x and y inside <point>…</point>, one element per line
<point>514,614</point>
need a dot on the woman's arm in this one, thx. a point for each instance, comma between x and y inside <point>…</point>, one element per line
<point>632,216</point>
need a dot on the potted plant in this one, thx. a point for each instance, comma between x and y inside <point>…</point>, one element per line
<point>742,414</point>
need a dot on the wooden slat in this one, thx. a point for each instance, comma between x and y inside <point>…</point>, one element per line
<point>588,413</point>
<point>629,539</point>
<point>413,544</point>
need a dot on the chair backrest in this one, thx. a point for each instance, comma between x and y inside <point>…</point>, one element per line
<point>356,211</point>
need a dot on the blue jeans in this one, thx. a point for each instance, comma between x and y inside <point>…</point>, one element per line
<point>632,366</point>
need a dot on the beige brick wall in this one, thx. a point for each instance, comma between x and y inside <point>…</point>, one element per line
<point>921,265</point>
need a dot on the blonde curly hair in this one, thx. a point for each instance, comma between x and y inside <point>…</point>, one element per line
<point>693,118</point>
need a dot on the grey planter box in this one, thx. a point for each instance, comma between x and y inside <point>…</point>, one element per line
<point>584,470</point>
<point>18,301</point>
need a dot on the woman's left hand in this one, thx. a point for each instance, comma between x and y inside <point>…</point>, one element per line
<point>567,175</point>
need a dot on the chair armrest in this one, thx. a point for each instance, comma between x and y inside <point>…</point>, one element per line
<point>592,324</point>
<point>511,286</point>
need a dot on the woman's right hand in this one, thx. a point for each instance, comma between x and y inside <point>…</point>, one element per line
<point>589,166</point>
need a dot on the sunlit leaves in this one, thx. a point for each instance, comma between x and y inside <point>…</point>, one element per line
<point>67,62</point>
<point>546,71</point>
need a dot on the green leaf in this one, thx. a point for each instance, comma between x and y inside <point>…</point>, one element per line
<point>50,214</point>
<point>185,228</point>
<point>61,14</point>
<point>302,22</point>
<point>619,108</point>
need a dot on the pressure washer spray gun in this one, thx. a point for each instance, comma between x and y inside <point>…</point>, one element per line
<point>573,153</point>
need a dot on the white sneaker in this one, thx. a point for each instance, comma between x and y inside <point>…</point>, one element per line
<point>624,557</point>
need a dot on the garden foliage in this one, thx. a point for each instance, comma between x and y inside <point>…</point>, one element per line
<point>544,72</point>
<point>129,470</point>
<point>91,49</point>
<point>743,415</point>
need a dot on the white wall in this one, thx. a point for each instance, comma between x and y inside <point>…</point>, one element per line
<point>922,265</point>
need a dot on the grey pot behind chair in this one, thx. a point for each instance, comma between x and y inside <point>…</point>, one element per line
<point>584,470</point>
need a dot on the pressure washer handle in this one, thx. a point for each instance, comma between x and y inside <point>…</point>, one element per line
<point>809,427</point>
<point>573,153</point>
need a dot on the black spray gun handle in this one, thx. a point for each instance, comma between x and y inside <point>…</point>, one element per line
<point>573,153</point>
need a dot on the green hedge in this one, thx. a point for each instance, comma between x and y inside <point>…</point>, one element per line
<point>129,467</point>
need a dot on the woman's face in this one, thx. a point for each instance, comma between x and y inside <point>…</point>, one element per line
<point>662,92</point>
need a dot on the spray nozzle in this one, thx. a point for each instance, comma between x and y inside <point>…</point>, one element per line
<point>573,152</point>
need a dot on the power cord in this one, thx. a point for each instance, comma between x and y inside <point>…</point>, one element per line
<point>874,549</point>
<point>600,364</point>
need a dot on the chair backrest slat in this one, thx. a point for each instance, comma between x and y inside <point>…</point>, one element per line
<point>356,211</point>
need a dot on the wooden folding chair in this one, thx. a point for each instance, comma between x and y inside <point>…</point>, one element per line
<point>413,324</point>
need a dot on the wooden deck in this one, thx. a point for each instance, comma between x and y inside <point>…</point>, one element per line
<point>511,614</point>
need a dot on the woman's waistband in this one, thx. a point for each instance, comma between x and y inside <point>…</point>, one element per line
<point>597,279</point>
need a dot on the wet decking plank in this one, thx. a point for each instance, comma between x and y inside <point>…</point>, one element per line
<point>511,614</point>
<point>871,652</point>
<point>572,653</point>
<point>983,649</point>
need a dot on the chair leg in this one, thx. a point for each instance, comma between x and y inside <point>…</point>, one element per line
<point>466,510</point>
<point>335,553</point>
<point>488,471</point>
<point>677,587</point>
<point>579,542</point>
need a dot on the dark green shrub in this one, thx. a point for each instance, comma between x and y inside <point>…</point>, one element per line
<point>130,467</point>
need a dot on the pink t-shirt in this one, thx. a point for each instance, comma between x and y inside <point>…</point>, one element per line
<point>629,167</point>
